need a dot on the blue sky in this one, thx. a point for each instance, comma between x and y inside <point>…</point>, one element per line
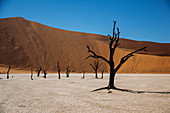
<point>143,20</point>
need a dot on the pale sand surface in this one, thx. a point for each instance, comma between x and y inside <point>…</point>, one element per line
<point>73,95</point>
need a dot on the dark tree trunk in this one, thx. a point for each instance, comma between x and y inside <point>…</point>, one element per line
<point>59,75</point>
<point>38,74</point>
<point>38,71</point>
<point>8,72</point>
<point>7,75</point>
<point>111,79</point>
<point>102,75</point>
<point>58,67</point>
<point>31,74</point>
<point>67,75</point>
<point>68,70</point>
<point>45,74</point>
<point>96,74</point>
<point>83,75</point>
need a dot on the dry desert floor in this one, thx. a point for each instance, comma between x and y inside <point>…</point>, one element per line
<point>20,94</point>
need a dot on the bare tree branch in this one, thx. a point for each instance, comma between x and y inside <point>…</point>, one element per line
<point>112,40</point>
<point>114,28</point>
<point>100,65</point>
<point>95,55</point>
<point>93,67</point>
<point>125,58</point>
<point>116,41</point>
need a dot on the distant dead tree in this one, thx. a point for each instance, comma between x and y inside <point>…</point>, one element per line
<point>59,69</point>
<point>8,72</point>
<point>68,70</point>
<point>95,67</point>
<point>45,73</point>
<point>31,74</point>
<point>114,43</point>
<point>83,75</point>
<point>102,73</point>
<point>38,70</point>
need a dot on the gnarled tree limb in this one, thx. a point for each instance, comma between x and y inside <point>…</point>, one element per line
<point>95,55</point>
<point>125,58</point>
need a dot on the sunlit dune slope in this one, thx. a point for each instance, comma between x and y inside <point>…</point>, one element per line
<point>26,44</point>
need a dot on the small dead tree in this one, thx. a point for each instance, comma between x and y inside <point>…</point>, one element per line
<point>114,43</point>
<point>59,69</point>
<point>45,73</point>
<point>95,67</point>
<point>31,74</point>
<point>83,75</point>
<point>9,68</point>
<point>68,70</point>
<point>38,70</point>
<point>102,73</point>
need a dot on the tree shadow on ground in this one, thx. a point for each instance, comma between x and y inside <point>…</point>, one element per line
<point>130,91</point>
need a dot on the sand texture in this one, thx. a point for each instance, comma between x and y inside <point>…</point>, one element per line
<point>20,94</point>
<point>26,44</point>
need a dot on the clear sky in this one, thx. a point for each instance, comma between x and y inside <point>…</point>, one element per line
<point>143,20</point>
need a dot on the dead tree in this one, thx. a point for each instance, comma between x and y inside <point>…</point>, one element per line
<point>59,69</point>
<point>31,74</point>
<point>95,67</point>
<point>45,73</point>
<point>68,70</point>
<point>114,43</point>
<point>8,72</point>
<point>38,71</point>
<point>83,75</point>
<point>102,73</point>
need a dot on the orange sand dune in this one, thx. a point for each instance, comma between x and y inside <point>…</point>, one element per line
<point>26,44</point>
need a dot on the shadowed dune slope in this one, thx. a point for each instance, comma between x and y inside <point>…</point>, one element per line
<point>26,44</point>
